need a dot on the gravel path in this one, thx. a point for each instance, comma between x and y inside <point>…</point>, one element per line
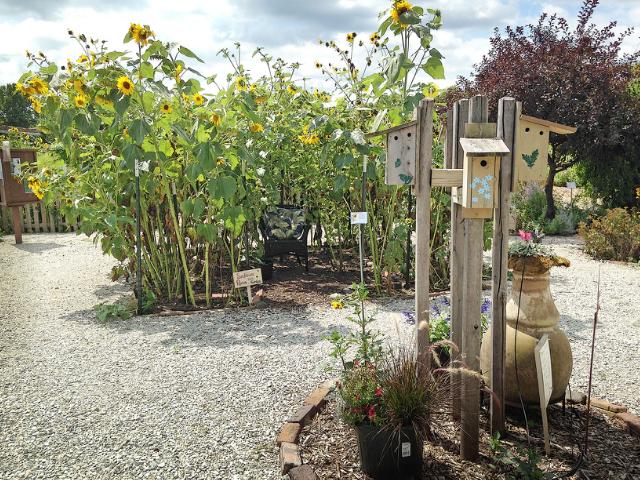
<point>202,396</point>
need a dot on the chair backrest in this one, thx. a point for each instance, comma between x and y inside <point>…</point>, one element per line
<point>284,222</point>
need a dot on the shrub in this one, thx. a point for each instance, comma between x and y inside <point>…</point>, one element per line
<point>529,206</point>
<point>571,174</point>
<point>615,236</point>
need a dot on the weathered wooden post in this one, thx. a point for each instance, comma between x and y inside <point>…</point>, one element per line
<point>459,119</point>
<point>508,112</point>
<point>423,227</point>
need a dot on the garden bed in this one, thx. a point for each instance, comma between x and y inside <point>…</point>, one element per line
<point>329,446</point>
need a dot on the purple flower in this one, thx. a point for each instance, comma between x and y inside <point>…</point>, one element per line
<point>486,305</point>
<point>409,317</point>
<point>445,301</point>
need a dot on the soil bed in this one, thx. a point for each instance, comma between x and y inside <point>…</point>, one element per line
<point>330,447</point>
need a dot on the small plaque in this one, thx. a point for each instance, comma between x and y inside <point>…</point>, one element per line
<point>246,278</point>
<point>16,167</point>
<point>571,185</point>
<point>359,218</point>
<point>406,449</point>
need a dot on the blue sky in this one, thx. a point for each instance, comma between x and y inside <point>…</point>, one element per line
<point>286,28</point>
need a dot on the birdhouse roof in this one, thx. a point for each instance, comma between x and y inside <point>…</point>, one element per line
<point>552,126</point>
<point>478,147</point>
<point>391,129</point>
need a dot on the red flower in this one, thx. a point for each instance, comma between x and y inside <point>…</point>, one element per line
<point>372,412</point>
<point>356,363</point>
<point>378,392</point>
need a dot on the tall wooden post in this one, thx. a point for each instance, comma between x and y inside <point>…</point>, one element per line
<point>471,327</point>
<point>16,219</point>
<point>508,111</point>
<point>423,227</point>
<point>459,120</point>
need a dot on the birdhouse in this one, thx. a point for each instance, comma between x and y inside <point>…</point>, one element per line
<point>532,148</point>
<point>401,153</point>
<point>13,191</point>
<point>480,172</point>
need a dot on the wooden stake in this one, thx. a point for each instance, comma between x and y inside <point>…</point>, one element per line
<point>508,110</point>
<point>460,116</point>
<point>471,327</point>
<point>17,224</point>
<point>423,227</point>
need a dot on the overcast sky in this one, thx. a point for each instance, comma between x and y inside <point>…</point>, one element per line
<point>286,28</point>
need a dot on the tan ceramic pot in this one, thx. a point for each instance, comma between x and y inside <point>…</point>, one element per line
<point>537,315</point>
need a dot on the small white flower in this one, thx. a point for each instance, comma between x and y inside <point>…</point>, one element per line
<point>263,154</point>
<point>264,200</point>
<point>260,171</point>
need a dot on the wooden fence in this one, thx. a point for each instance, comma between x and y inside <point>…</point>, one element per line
<point>37,218</point>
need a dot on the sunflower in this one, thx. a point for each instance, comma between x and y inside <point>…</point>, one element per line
<point>400,7</point>
<point>220,161</point>
<point>261,99</point>
<point>80,101</point>
<point>140,34</point>
<point>216,119</point>
<point>78,85</point>
<point>39,86</point>
<point>103,101</point>
<point>292,89</point>
<point>179,69</point>
<point>241,84</point>
<point>256,127</point>
<point>125,85</point>
<point>35,103</point>
<point>198,99</point>
<point>82,59</point>
<point>351,37</point>
<point>165,107</point>
<point>374,37</point>
<point>337,304</point>
<point>318,64</point>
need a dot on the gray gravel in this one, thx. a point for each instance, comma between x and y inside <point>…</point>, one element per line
<point>203,396</point>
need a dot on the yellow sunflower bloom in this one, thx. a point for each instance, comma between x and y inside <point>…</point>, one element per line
<point>179,70</point>
<point>140,34</point>
<point>261,99</point>
<point>220,161</point>
<point>374,37</point>
<point>216,119</point>
<point>291,89</point>
<point>241,84</point>
<point>39,86</point>
<point>125,85</point>
<point>35,103</point>
<point>337,304</point>
<point>198,99</point>
<point>400,7</point>
<point>80,101</point>
<point>82,59</point>
<point>256,127</point>
<point>351,37</point>
<point>78,85</point>
<point>165,108</point>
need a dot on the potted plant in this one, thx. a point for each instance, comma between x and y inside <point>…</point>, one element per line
<point>531,313</point>
<point>384,396</point>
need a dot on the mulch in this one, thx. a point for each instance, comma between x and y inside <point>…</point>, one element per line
<point>330,447</point>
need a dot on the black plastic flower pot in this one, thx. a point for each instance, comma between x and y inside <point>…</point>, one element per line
<point>389,454</point>
<point>267,270</point>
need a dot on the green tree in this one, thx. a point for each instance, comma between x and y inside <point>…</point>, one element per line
<point>15,109</point>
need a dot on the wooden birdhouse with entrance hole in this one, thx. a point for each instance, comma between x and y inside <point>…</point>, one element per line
<point>480,172</point>
<point>532,148</point>
<point>401,153</point>
<point>15,192</point>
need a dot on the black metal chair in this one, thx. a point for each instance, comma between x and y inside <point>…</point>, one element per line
<point>284,230</point>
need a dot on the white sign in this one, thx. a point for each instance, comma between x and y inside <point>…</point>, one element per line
<point>16,167</point>
<point>246,278</point>
<point>359,218</point>
<point>571,185</point>
<point>144,166</point>
<point>545,383</point>
<point>406,449</point>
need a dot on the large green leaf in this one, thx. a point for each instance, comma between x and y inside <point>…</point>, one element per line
<point>434,67</point>
<point>188,53</point>
<point>207,231</point>
<point>138,130</point>
<point>206,155</point>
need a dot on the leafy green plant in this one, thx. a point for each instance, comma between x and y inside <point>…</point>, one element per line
<point>528,206</point>
<point>521,248</point>
<point>106,311</point>
<point>614,236</point>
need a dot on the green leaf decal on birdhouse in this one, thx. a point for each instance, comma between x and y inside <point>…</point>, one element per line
<point>397,162</point>
<point>406,178</point>
<point>531,159</point>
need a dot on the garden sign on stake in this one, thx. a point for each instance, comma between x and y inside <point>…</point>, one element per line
<point>144,166</point>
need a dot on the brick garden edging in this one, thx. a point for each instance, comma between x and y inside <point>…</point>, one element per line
<point>290,456</point>
<point>620,412</point>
